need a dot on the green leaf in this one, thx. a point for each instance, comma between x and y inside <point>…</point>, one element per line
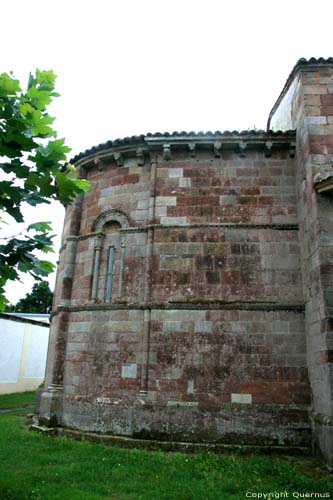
<point>47,250</point>
<point>3,302</point>
<point>83,185</point>
<point>8,85</point>
<point>8,273</point>
<point>26,108</point>
<point>46,79</point>
<point>39,98</point>
<point>37,168</point>
<point>41,227</point>
<point>45,268</point>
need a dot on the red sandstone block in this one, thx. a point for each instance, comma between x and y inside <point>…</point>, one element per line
<point>195,172</point>
<point>321,144</point>
<point>250,190</point>
<point>204,191</point>
<point>326,99</point>
<point>230,277</point>
<point>326,110</point>
<point>131,179</point>
<point>247,171</point>
<point>274,171</point>
<point>314,89</point>
<point>247,200</point>
<point>200,181</point>
<point>216,182</point>
<point>117,180</point>
<point>313,100</point>
<point>268,181</point>
<point>207,211</point>
<point>209,200</point>
<point>185,200</point>
<point>327,356</point>
<point>204,262</point>
<point>326,324</point>
<point>212,277</point>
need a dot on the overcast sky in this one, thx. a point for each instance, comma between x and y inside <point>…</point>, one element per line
<point>128,67</point>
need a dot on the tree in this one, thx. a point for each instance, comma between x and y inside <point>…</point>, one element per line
<point>34,170</point>
<point>39,300</point>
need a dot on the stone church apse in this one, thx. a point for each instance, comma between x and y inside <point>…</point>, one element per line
<point>194,294</point>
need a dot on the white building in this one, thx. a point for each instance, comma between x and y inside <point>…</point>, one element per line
<point>23,350</point>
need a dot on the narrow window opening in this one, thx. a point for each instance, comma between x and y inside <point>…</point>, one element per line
<point>109,276</point>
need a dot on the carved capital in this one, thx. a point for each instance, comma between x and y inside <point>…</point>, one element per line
<point>98,242</point>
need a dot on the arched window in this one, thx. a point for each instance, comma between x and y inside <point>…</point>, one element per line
<point>110,262</point>
<point>107,277</point>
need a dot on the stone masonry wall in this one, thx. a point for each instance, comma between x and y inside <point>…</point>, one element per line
<point>203,335</point>
<point>311,112</point>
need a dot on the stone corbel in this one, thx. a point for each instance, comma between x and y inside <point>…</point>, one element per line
<point>81,172</point>
<point>99,164</point>
<point>242,149</point>
<point>323,180</point>
<point>118,159</point>
<point>268,149</point>
<point>192,149</point>
<point>292,149</point>
<point>217,149</point>
<point>166,152</point>
<point>140,157</point>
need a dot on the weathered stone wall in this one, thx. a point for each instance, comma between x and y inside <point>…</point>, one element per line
<point>251,263</point>
<point>311,112</point>
<point>203,336</point>
<point>195,294</point>
<point>239,371</point>
<point>227,264</point>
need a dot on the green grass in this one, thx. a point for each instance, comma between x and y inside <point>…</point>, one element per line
<point>18,399</point>
<point>39,467</point>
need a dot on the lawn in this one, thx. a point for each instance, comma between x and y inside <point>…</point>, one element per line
<point>39,467</point>
<point>19,399</point>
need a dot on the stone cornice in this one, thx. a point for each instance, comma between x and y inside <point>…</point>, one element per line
<point>189,306</point>
<point>217,225</point>
<point>143,146</point>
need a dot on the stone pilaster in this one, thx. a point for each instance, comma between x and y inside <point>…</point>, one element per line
<point>50,406</point>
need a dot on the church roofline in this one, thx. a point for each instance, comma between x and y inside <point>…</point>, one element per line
<point>153,142</point>
<point>302,64</point>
